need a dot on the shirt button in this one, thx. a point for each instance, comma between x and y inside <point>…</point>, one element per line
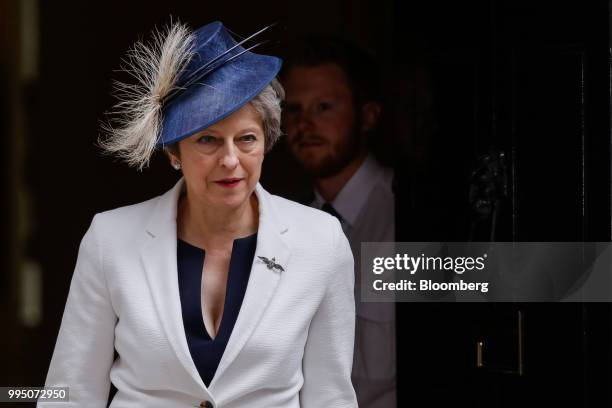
<point>206,404</point>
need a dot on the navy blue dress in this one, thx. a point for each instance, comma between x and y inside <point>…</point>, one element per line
<point>205,351</point>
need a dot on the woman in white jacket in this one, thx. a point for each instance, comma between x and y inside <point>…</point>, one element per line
<point>216,293</point>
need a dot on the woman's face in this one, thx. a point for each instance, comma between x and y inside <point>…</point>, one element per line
<point>222,164</point>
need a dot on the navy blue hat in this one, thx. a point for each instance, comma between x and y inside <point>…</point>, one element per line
<point>186,81</point>
<point>221,77</point>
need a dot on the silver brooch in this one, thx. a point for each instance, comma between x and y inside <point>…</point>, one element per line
<point>271,264</point>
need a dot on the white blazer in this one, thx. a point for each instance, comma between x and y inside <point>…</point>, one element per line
<point>291,346</point>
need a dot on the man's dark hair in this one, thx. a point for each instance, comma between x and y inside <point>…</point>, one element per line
<point>359,66</point>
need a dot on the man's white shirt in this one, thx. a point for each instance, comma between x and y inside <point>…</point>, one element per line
<point>367,214</point>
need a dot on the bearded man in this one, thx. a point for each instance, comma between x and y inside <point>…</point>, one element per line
<point>331,109</point>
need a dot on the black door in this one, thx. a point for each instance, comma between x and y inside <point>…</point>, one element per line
<point>520,91</point>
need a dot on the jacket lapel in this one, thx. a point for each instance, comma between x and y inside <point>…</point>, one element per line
<point>159,259</point>
<point>263,280</point>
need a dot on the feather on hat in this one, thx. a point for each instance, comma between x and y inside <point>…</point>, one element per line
<point>134,131</point>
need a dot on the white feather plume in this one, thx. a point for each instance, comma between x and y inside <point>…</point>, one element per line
<point>136,121</point>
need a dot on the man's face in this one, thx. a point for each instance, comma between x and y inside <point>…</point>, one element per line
<point>320,119</point>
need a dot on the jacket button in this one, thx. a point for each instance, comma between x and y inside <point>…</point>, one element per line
<point>206,404</point>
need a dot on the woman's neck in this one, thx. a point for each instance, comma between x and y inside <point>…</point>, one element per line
<point>208,226</point>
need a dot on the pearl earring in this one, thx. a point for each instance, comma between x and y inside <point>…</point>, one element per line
<point>176,165</point>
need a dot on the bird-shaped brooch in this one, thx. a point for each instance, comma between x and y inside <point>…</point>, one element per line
<point>271,264</point>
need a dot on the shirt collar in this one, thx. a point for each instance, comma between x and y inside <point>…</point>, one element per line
<point>355,193</point>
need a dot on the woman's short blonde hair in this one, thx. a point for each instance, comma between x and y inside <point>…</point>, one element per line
<point>268,105</point>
